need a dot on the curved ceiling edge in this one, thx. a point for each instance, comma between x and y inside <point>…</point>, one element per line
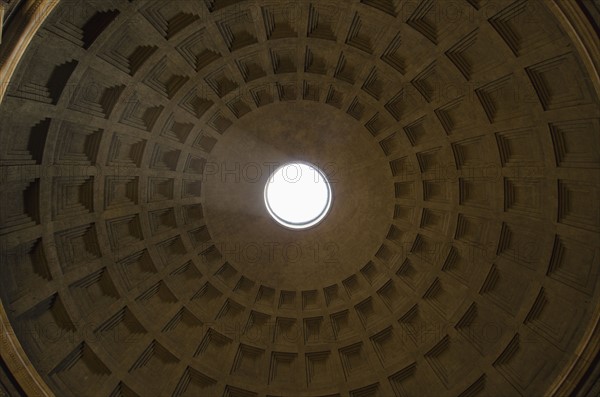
<point>583,34</point>
<point>15,42</point>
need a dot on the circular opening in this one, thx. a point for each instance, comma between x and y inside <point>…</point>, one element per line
<point>298,195</point>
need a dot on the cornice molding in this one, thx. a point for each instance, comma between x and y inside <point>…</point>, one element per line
<point>14,44</point>
<point>18,36</point>
<point>575,23</point>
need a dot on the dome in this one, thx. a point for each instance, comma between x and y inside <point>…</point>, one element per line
<point>445,243</point>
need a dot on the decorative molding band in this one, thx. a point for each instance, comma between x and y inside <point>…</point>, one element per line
<point>18,35</point>
<point>575,23</point>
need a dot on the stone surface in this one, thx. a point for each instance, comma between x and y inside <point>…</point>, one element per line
<point>462,252</point>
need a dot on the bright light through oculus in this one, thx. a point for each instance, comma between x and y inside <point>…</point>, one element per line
<point>298,195</point>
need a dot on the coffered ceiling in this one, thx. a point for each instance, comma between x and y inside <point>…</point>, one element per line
<point>461,255</point>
